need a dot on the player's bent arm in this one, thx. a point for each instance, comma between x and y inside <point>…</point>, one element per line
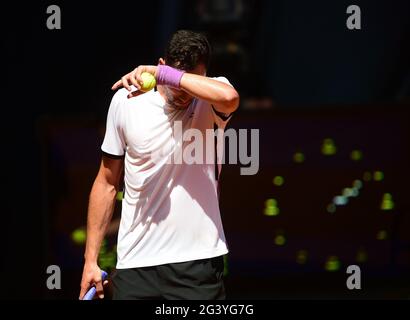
<point>101,204</point>
<point>222,96</point>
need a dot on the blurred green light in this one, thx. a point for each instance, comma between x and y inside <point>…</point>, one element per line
<point>387,196</point>
<point>298,157</point>
<point>331,208</point>
<point>378,176</point>
<point>271,202</point>
<point>387,202</point>
<point>328,147</point>
<point>79,236</point>
<point>301,256</point>
<point>347,192</point>
<point>271,208</point>
<point>278,181</point>
<point>355,192</point>
<point>356,155</point>
<point>387,205</point>
<point>350,192</point>
<point>271,211</point>
<point>357,184</point>
<point>381,235</point>
<point>361,255</point>
<point>120,195</point>
<point>340,200</point>
<point>367,176</point>
<point>107,260</point>
<point>280,240</point>
<point>332,264</point>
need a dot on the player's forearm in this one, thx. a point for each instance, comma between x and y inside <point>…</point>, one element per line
<point>222,96</point>
<point>100,209</point>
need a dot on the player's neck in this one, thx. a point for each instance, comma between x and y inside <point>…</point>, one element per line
<point>161,91</point>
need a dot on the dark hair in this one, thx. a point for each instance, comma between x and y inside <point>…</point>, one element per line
<point>187,49</point>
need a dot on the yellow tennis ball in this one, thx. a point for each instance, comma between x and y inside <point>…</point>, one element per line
<point>149,81</point>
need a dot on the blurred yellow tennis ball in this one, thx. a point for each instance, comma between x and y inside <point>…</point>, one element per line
<point>148,81</point>
<point>79,236</point>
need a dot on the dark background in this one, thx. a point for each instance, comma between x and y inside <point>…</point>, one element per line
<point>303,77</point>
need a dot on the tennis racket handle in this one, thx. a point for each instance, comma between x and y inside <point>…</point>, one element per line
<point>92,291</point>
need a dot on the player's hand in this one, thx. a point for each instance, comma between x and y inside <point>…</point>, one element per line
<point>134,78</point>
<point>92,276</point>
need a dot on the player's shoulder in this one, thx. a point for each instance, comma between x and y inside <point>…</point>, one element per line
<point>121,96</point>
<point>118,98</point>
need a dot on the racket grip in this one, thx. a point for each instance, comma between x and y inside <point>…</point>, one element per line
<point>92,291</point>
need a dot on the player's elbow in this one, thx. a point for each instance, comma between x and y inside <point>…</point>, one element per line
<point>104,188</point>
<point>231,100</point>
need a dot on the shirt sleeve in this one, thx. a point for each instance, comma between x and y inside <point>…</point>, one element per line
<point>220,118</point>
<point>114,140</point>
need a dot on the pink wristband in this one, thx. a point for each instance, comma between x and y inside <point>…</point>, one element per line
<point>168,76</point>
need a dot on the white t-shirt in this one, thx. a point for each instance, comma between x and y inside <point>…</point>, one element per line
<point>170,211</point>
